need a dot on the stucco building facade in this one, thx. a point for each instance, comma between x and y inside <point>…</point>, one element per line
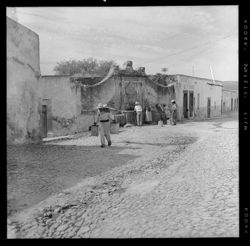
<point>230,100</point>
<point>198,97</point>
<point>23,73</point>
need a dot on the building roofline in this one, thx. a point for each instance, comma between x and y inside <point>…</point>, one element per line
<point>63,75</point>
<point>229,90</point>
<point>198,77</point>
<point>22,26</point>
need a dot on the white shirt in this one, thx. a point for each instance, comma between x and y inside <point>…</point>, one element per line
<point>173,107</point>
<point>104,116</point>
<point>138,108</point>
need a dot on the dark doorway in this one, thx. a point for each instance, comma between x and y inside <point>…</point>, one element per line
<point>191,104</point>
<point>44,121</point>
<point>232,104</point>
<point>185,104</point>
<point>208,107</point>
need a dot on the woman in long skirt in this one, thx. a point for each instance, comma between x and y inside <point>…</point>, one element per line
<point>173,112</point>
<point>148,115</point>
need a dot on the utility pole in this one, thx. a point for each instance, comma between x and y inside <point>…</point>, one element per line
<point>211,70</point>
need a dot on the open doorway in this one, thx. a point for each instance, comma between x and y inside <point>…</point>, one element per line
<point>44,121</point>
<point>191,104</point>
<point>208,107</point>
<point>185,104</point>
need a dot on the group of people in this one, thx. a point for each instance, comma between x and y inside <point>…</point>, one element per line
<point>170,113</point>
<point>104,118</point>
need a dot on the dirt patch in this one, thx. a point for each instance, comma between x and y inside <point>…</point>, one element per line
<point>37,171</point>
<point>142,188</point>
<point>171,140</point>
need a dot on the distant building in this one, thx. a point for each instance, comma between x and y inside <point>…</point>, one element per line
<point>230,96</point>
<point>231,85</point>
<point>230,100</point>
<point>198,97</point>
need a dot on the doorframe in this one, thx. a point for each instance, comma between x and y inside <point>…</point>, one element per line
<point>209,114</point>
<point>187,105</point>
<point>44,120</point>
<point>190,114</point>
<point>48,104</point>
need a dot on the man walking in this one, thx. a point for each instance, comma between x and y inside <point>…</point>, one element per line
<point>138,110</point>
<point>104,117</point>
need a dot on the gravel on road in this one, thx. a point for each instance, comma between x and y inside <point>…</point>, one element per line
<point>177,181</point>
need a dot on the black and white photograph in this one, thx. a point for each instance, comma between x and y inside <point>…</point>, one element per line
<point>122,122</point>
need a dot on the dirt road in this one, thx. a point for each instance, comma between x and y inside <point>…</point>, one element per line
<point>172,181</point>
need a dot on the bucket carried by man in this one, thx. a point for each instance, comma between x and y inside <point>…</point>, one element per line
<point>94,127</point>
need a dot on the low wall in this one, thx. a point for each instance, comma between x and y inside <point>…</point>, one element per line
<point>64,127</point>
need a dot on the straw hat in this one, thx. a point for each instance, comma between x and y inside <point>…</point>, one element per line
<point>136,103</point>
<point>105,106</point>
<point>99,105</point>
<point>172,101</point>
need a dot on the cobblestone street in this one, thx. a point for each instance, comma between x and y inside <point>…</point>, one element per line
<point>171,181</point>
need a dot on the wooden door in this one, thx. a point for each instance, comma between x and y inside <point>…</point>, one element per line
<point>208,107</point>
<point>44,121</point>
<point>185,104</point>
<point>191,104</point>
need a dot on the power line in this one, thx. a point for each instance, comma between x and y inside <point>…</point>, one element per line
<point>197,53</point>
<point>188,49</point>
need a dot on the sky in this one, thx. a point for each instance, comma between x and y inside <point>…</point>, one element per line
<point>184,39</point>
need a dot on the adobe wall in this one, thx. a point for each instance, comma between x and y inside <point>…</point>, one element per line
<point>64,104</point>
<point>227,95</point>
<point>205,89</point>
<point>64,98</point>
<point>76,102</point>
<point>23,72</point>
<point>122,91</point>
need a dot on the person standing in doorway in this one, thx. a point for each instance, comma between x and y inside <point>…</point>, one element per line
<point>104,117</point>
<point>138,110</point>
<point>148,115</point>
<point>167,113</point>
<point>173,112</point>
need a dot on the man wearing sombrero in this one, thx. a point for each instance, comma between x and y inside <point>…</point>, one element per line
<point>138,110</point>
<point>173,112</point>
<point>104,117</point>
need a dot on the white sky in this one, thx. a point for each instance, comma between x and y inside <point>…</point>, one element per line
<point>184,39</point>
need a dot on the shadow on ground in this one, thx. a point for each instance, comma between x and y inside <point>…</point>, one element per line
<point>37,171</point>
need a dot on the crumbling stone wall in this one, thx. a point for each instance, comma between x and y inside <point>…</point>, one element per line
<point>23,72</point>
<point>126,86</point>
<point>120,89</point>
<point>157,93</point>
